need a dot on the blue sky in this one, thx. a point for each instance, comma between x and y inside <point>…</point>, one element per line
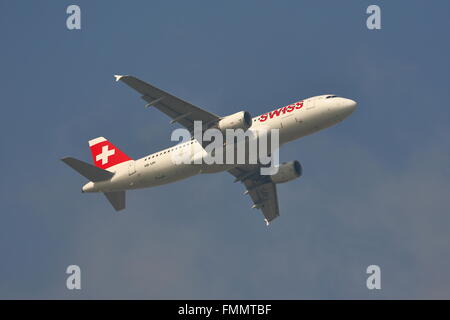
<point>375,187</point>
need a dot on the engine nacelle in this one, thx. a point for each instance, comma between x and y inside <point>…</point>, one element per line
<point>239,120</point>
<point>287,171</point>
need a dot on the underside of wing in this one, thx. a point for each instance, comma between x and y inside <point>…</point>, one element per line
<point>262,191</point>
<point>179,110</point>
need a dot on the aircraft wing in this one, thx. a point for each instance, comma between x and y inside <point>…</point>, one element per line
<point>262,191</point>
<point>179,110</point>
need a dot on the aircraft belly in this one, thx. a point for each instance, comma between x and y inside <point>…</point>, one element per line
<point>167,172</point>
<point>215,168</point>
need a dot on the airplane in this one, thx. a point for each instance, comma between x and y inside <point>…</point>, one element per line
<point>114,172</point>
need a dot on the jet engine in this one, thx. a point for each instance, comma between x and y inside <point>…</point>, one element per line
<point>287,171</point>
<point>239,120</point>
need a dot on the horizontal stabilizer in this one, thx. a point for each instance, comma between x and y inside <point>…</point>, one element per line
<point>87,170</point>
<point>117,199</point>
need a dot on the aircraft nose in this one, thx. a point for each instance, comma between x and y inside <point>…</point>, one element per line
<point>349,105</point>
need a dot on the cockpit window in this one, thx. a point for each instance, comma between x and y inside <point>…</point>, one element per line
<point>329,97</point>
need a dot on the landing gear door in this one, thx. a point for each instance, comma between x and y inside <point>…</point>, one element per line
<point>131,167</point>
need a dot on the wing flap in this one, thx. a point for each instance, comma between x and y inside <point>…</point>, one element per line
<point>265,198</point>
<point>262,191</point>
<point>179,110</point>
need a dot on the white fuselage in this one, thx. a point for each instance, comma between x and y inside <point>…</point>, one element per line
<point>156,169</point>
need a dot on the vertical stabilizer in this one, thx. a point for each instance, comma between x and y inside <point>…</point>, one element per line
<point>105,154</point>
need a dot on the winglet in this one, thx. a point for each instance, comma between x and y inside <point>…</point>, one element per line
<point>267,222</point>
<point>118,77</point>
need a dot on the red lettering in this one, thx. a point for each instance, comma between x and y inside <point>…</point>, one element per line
<point>274,113</point>
<point>299,105</point>
<point>263,117</point>
<point>278,112</point>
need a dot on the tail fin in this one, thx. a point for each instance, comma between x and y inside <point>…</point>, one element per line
<point>87,170</point>
<point>117,199</point>
<point>105,154</point>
